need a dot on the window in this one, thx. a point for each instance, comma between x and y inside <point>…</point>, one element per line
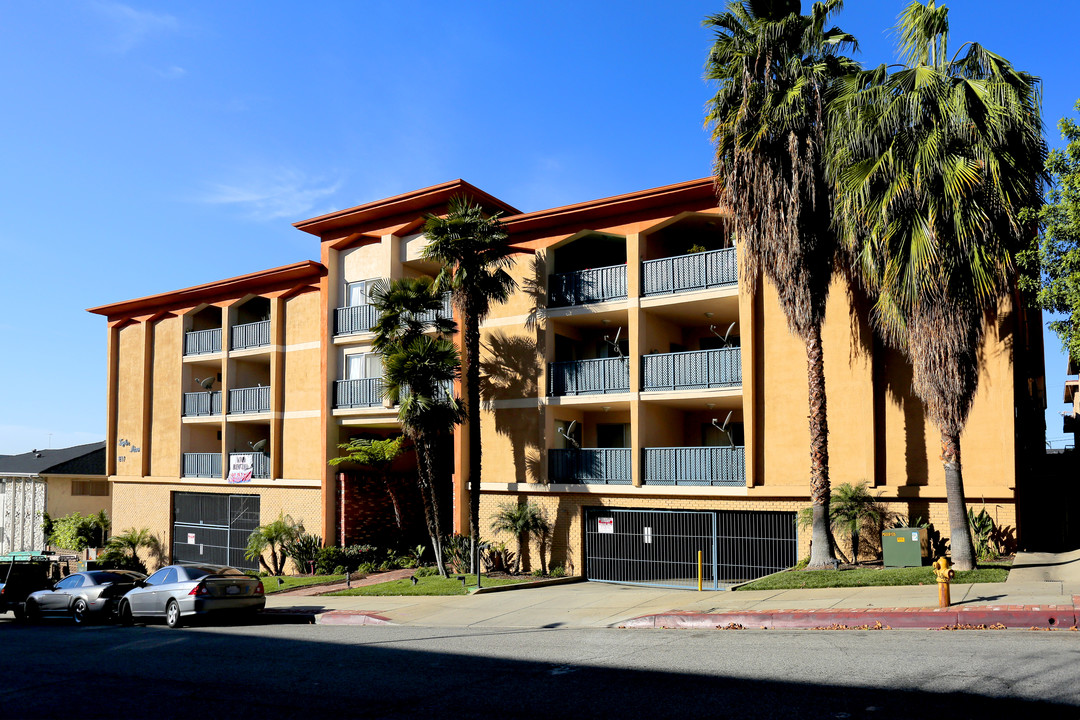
<point>363,365</point>
<point>170,577</point>
<point>94,488</point>
<point>712,436</point>
<point>158,577</point>
<point>359,293</point>
<point>611,435</point>
<point>69,583</point>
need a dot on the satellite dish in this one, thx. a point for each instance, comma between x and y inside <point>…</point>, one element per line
<point>567,434</point>
<point>725,336</point>
<point>723,428</point>
<point>258,446</point>
<point>615,343</point>
<point>207,382</point>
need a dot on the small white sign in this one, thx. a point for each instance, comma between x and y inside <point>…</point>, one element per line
<point>241,467</point>
<point>606,525</point>
<point>191,538</point>
<point>648,535</point>
<point>915,536</point>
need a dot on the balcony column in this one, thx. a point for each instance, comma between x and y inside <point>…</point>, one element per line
<point>277,383</point>
<point>635,253</point>
<point>330,287</point>
<point>147,396</point>
<point>112,362</point>
<point>749,333</point>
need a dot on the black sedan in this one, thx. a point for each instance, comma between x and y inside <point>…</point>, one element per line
<point>82,595</point>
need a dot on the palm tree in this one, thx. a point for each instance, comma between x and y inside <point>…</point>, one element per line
<point>933,165</point>
<point>273,537</point>
<point>131,541</point>
<point>523,520</point>
<point>855,509</point>
<point>418,369</point>
<point>475,253</point>
<point>775,69</point>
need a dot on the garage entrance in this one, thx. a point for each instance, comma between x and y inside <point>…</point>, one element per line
<point>660,547</point>
<point>214,528</point>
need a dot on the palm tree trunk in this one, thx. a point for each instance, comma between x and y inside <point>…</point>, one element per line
<point>963,551</point>
<point>821,548</point>
<point>427,497</point>
<point>472,411</point>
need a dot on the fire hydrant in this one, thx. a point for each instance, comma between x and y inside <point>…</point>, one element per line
<point>944,573</point>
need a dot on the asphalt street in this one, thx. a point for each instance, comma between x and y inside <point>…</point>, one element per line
<point>293,670</point>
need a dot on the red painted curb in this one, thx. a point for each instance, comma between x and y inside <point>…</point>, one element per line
<point>351,617</point>
<point>1014,616</point>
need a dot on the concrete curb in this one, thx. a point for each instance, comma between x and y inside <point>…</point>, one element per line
<point>351,617</point>
<point>1061,617</point>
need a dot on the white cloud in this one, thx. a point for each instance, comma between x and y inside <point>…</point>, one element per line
<point>133,27</point>
<point>174,72</point>
<point>281,193</point>
<point>18,439</point>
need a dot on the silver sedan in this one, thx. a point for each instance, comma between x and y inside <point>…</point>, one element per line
<point>82,595</point>
<point>178,591</point>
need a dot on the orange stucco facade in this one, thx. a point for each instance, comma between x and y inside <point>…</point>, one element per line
<point>535,344</point>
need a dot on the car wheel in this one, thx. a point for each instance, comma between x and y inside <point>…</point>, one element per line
<point>172,614</point>
<point>123,614</point>
<point>32,612</point>
<point>20,614</point>
<point>78,611</point>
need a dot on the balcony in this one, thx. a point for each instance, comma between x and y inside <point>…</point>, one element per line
<point>712,466</point>
<point>354,319</point>
<point>249,335</point>
<point>589,377</point>
<point>202,404</point>
<point>202,465</point>
<point>590,466</point>
<point>260,464</point>
<point>202,342</point>
<point>360,393</point>
<point>684,273</point>
<point>694,370</point>
<point>587,286</point>
<point>249,400</point>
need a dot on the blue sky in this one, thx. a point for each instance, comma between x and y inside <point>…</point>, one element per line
<point>154,146</point>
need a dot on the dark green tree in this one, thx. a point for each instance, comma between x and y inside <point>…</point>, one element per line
<point>1052,267</point>
<point>774,70</point>
<point>934,165</point>
<point>378,455</point>
<point>476,255</point>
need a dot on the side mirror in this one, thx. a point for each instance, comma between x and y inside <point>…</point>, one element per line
<point>140,583</point>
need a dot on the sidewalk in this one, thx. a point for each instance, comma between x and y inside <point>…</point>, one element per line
<point>1050,601</point>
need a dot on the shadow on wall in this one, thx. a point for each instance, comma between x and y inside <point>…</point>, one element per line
<point>510,371</point>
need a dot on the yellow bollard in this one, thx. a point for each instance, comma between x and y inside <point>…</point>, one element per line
<point>944,573</point>
<point>700,567</point>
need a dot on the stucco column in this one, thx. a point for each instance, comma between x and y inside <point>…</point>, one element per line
<point>277,383</point>
<point>635,249</point>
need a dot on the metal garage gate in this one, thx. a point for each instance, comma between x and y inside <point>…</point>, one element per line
<point>213,528</point>
<point>660,547</point>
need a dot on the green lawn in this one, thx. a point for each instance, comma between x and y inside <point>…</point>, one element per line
<point>271,585</point>
<point>864,577</point>
<point>434,585</point>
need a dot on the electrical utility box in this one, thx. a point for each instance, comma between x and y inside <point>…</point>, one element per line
<point>905,547</point>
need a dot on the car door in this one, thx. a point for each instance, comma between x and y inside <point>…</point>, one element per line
<point>162,591</point>
<point>60,598</point>
<point>141,599</point>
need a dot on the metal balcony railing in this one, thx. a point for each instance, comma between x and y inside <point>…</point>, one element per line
<point>589,377</point>
<point>697,271</point>
<point>260,463</point>
<point>587,286</point>
<point>202,403</point>
<point>249,400</point>
<point>202,342</point>
<point>716,466</point>
<point>589,466</point>
<point>202,465</point>
<point>354,319</point>
<point>694,370</point>
<point>446,311</point>
<point>249,335</point>
<point>363,392</point>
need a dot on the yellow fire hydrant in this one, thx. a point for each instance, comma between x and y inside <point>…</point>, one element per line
<point>944,573</point>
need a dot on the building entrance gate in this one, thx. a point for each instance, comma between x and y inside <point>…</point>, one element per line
<point>214,528</point>
<point>660,547</point>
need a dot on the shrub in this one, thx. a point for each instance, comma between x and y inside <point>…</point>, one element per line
<point>558,571</point>
<point>303,551</point>
<point>355,555</point>
<point>366,567</point>
<point>497,557</point>
<point>75,532</point>
<point>339,570</point>
<point>329,558</point>
<point>426,572</point>
<point>456,549</point>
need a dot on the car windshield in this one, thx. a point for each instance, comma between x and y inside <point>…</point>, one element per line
<point>100,578</point>
<point>194,572</point>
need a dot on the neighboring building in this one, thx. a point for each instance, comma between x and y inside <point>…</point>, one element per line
<point>637,389</point>
<point>1071,417</point>
<point>60,482</point>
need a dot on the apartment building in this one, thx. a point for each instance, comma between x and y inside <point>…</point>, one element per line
<point>636,387</point>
